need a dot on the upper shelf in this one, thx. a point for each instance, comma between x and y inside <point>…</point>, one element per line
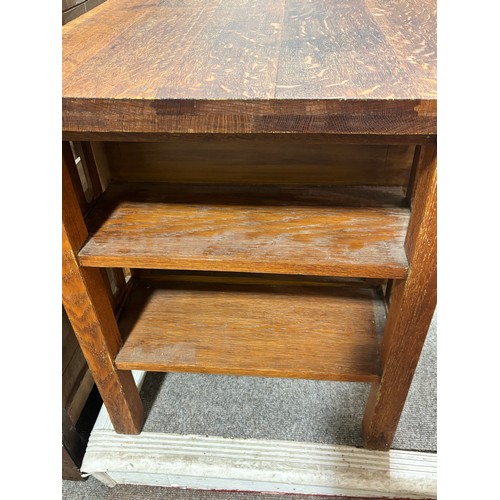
<point>234,66</point>
<point>341,231</point>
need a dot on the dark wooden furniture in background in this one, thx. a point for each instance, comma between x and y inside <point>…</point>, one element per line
<point>77,383</point>
<point>71,9</point>
<point>268,172</point>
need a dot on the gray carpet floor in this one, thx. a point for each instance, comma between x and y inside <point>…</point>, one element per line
<point>264,408</point>
<point>288,409</point>
<point>94,490</point>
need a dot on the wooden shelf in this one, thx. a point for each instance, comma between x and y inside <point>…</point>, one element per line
<point>329,332</point>
<point>324,231</point>
<point>205,77</point>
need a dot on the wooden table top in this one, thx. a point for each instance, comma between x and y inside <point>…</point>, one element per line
<point>236,66</point>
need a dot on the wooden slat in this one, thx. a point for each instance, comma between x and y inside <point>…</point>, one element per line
<point>118,286</point>
<point>337,232</point>
<point>277,331</point>
<point>90,163</point>
<point>70,165</point>
<point>259,159</point>
<point>101,161</point>
<point>79,398</point>
<point>72,378</point>
<point>69,343</point>
<point>413,172</point>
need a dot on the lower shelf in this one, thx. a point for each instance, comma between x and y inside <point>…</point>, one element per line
<point>327,332</point>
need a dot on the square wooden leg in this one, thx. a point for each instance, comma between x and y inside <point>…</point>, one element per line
<point>413,301</point>
<point>88,305</point>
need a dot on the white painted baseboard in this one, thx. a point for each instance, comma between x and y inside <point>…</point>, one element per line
<point>208,462</point>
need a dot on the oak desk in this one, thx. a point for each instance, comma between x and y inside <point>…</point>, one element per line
<point>265,174</point>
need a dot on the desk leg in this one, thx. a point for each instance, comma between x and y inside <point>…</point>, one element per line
<point>412,305</point>
<point>90,311</point>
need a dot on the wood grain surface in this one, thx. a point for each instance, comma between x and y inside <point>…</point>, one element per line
<point>355,232</point>
<point>259,159</point>
<point>277,331</point>
<point>72,171</point>
<point>86,301</point>
<point>237,66</point>
<point>413,301</point>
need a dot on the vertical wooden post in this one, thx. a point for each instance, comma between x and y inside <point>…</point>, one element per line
<point>90,163</point>
<point>89,309</point>
<point>113,276</point>
<point>412,305</point>
<point>68,160</point>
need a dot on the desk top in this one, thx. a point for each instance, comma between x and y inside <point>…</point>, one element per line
<point>236,66</point>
